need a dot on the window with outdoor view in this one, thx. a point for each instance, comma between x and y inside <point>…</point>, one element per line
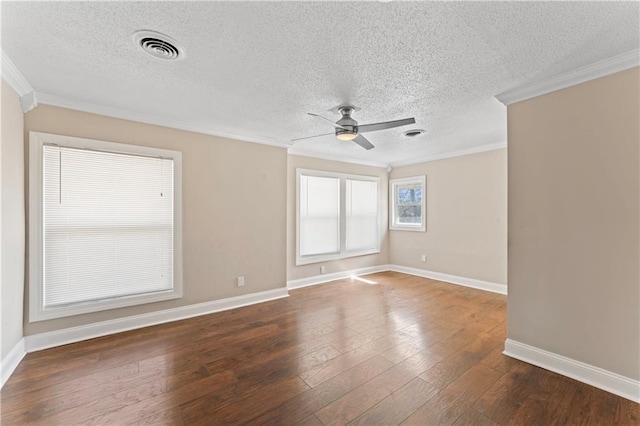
<point>408,204</point>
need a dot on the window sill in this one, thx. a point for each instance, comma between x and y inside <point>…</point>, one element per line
<point>419,228</point>
<point>44,314</point>
<point>334,256</point>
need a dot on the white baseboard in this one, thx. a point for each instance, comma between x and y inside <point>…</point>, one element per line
<point>11,361</point>
<point>586,373</point>
<point>325,278</point>
<point>65,336</point>
<point>453,279</point>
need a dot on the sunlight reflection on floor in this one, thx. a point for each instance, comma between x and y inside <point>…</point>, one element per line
<point>364,280</point>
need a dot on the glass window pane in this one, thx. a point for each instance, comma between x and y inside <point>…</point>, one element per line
<point>410,214</point>
<point>409,194</point>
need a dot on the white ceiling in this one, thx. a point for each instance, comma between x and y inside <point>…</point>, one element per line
<point>253,69</point>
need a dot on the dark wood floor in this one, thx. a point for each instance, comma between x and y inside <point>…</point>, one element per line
<point>404,350</point>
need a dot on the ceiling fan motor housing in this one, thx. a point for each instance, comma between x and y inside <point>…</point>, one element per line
<point>349,128</point>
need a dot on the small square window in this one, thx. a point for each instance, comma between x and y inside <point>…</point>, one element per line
<point>408,204</point>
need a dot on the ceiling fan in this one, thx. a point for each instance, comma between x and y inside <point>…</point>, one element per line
<point>347,129</point>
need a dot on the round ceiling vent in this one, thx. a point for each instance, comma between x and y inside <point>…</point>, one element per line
<point>413,133</point>
<point>158,45</point>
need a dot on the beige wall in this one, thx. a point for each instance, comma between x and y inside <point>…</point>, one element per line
<point>297,272</point>
<point>574,193</point>
<point>234,208</point>
<point>13,222</point>
<point>466,218</point>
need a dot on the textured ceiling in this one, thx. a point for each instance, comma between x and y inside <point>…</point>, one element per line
<point>254,69</point>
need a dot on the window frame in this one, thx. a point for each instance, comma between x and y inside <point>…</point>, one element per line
<point>37,311</point>
<point>393,211</point>
<point>343,253</point>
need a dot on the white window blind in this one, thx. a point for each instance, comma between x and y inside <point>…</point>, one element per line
<point>361,214</point>
<point>108,225</point>
<point>319,216</point>
<point>338,216</point>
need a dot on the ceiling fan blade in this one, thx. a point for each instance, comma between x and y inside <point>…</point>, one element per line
<point>363,142</point>
<point>385,125</point>
<point>309,137</point>
<point>326,119</point>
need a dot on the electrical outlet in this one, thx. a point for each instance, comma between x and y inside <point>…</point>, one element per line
<point>323,269</point>
<point>424,257</point>
<point>241,281</point>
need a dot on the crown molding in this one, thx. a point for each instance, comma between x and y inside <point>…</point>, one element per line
<point>28,101</point>
<point>334,157</point>
<point>14,78</point>
<point>590,72</point>
<point>458,153</point>
<point>389,166</point>
<point>58,101</point>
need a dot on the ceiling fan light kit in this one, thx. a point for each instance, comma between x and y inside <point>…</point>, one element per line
<point>346,135</point>
<point>347,129</point>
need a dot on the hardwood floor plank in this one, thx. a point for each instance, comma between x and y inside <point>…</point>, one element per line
<point>244,408</point>
<point>442,409</point>
<point>506,396</point>
<point>628,413</point>
<point>420,362</point>
<point>169,417</point>
<point>68,401</point>
<point>474,382</point>
<point>449,369</point>
<point>337,365</point>
<point>354,403</point>
<point>312,420</point>
<point>48,389</point>
<point>307,403</point>
<point>139,402</point>
<point>591,406</point>
<point>318,357</point>
<point>403,351</point>
<point>496,360</point>
<point>548,401</point>
<point>399,405</point>
<point>472,418</point>
<point>461,339</point>
<point>452,402</point>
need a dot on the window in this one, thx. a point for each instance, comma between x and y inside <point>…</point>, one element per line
<point>408,211</point>
<point>104,225</point>
<point>319,215</point>
<point>337,216</point>
<point>361,214</point>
